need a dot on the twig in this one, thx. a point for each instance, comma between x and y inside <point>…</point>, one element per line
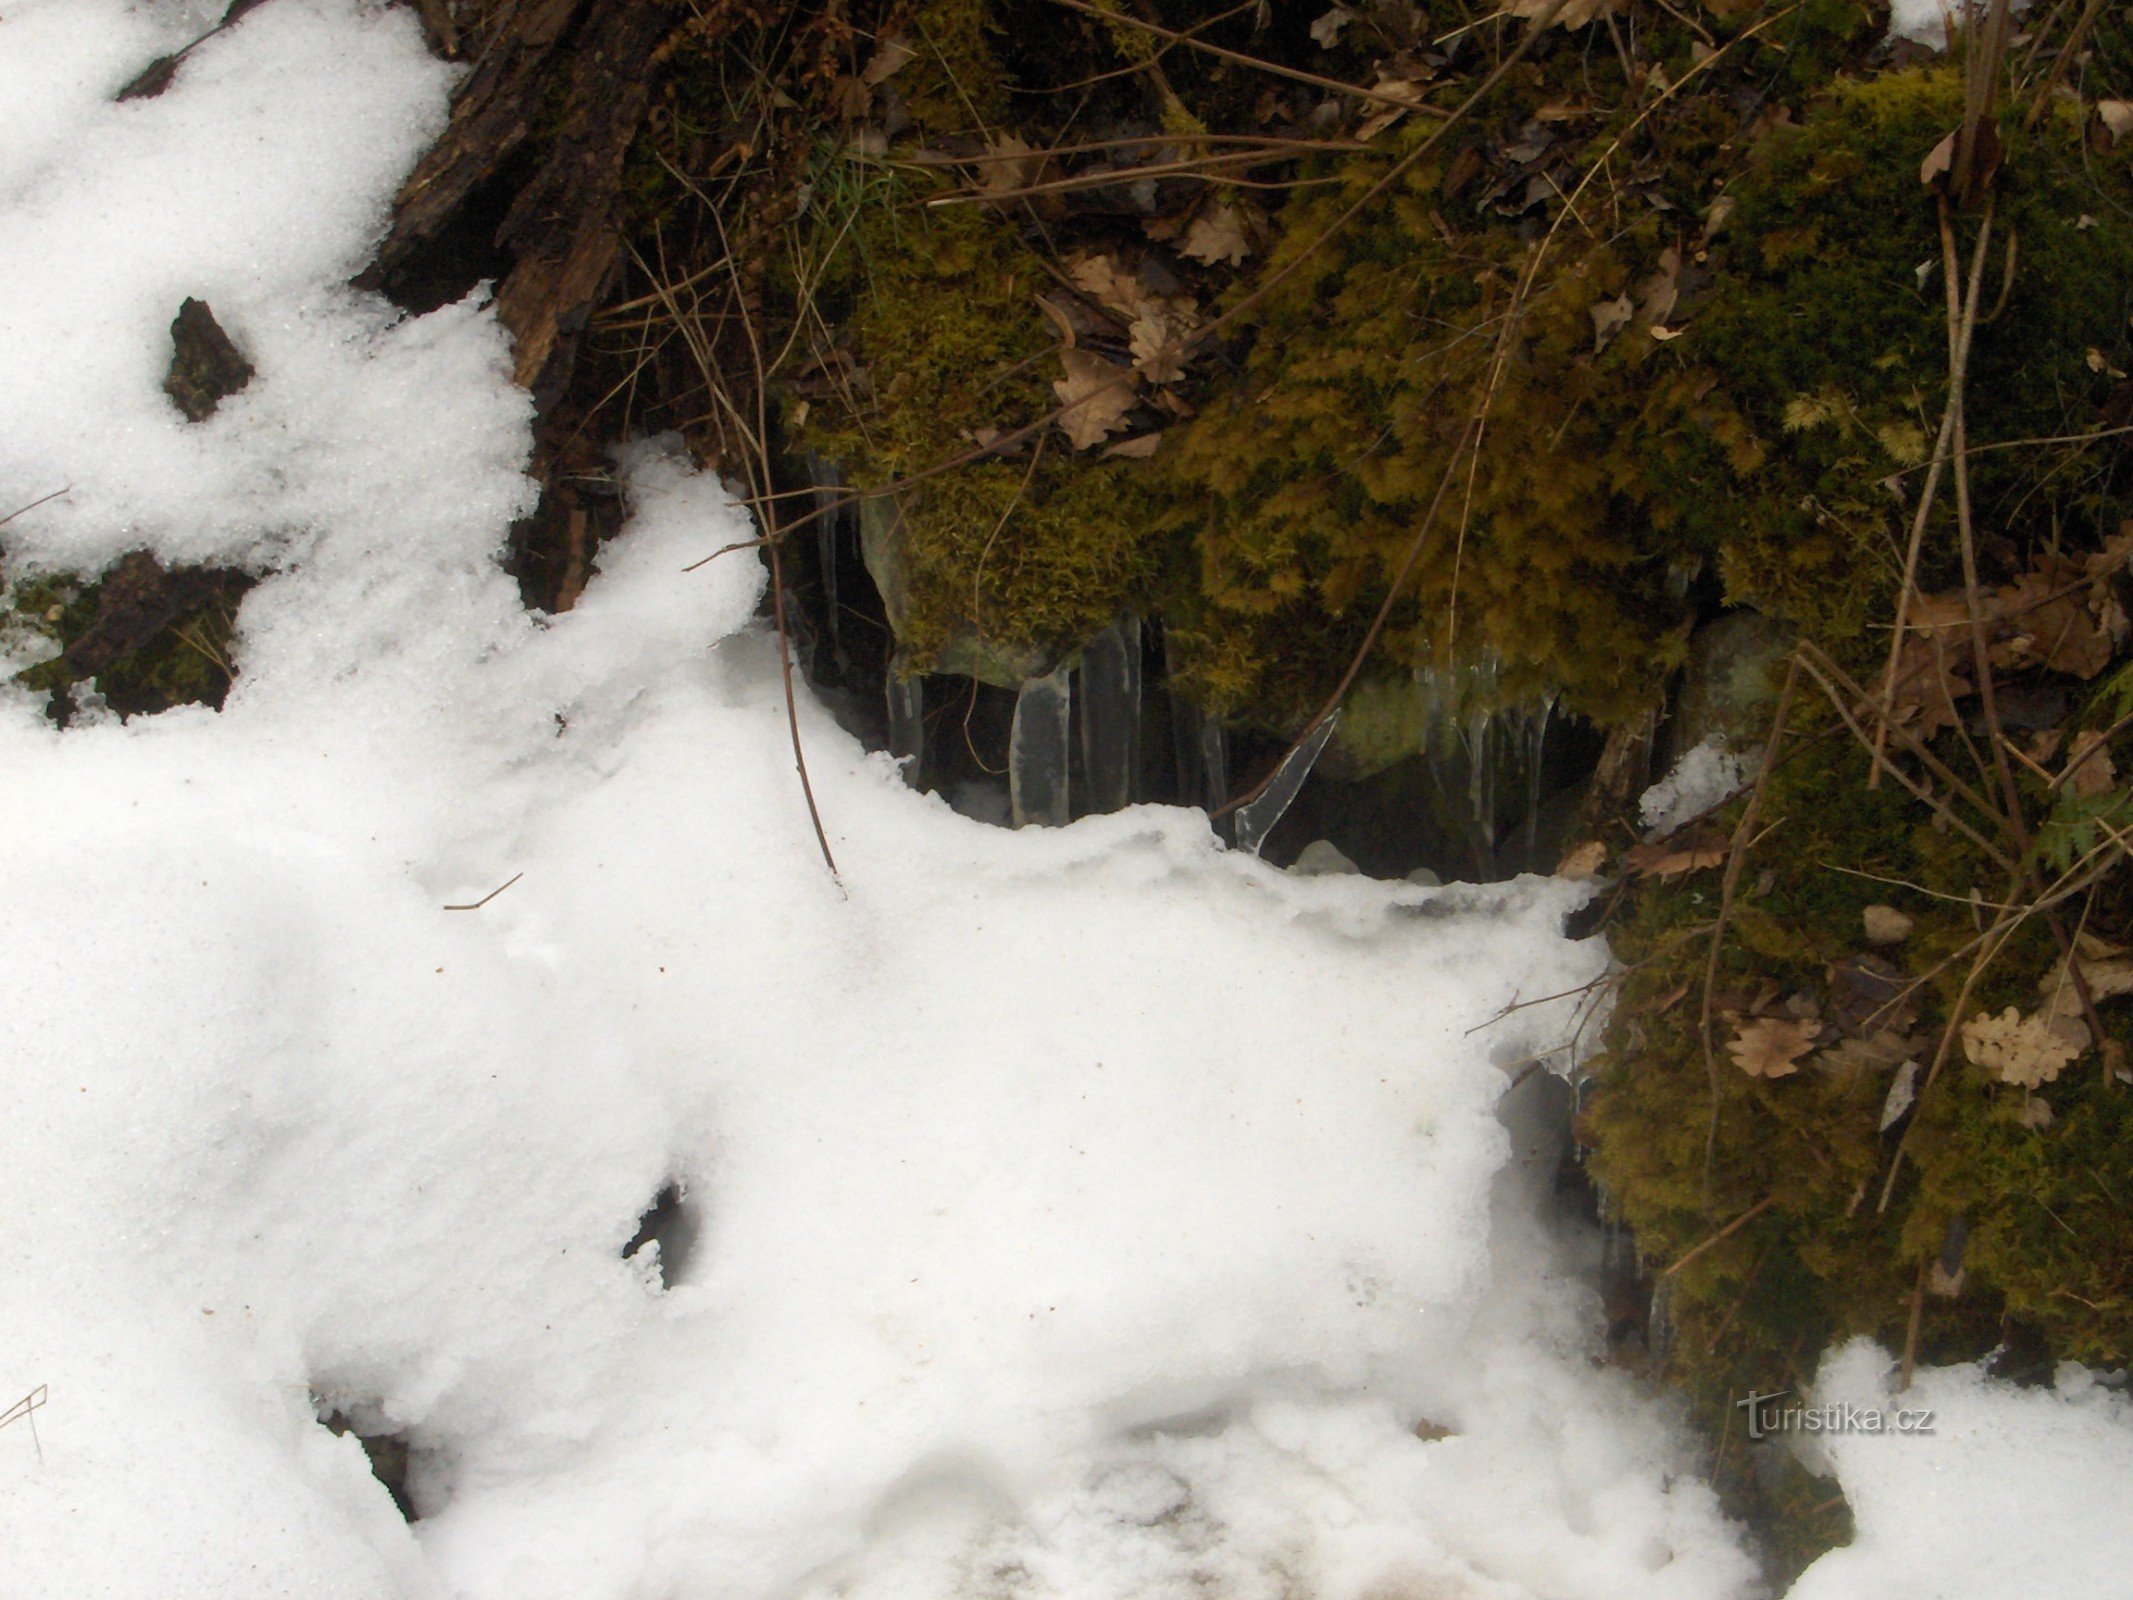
<point>1723,1234</point>
<point>1736,858</point>
<point>476,905</point>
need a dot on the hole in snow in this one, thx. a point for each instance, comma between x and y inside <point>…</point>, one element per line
<point>387,1449</point>
<point>671,1223</point>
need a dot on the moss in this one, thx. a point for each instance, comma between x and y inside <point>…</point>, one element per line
<point>1024,555</point>
<point>148,639</point>
<point>1683,1144</point>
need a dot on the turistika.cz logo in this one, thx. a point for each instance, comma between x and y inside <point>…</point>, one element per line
<point>1766,1417</point>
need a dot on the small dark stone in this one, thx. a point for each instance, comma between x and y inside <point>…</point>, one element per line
<point>206,367</point>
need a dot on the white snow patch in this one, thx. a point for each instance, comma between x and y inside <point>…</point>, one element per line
<point>1707,775</point>
<point>2015,1491</point>
<point>1083,1213</point>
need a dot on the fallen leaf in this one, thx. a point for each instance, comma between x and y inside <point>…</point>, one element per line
<point>1216,235</point>
<point>1056,314</point>
<point>2117,117</point>
<point>1902,1091</point>
<point>2021,1050</point>
<point>1138,448</point>
<point>1886,925</point>
<point>1877,1052</point>
<point>1326,31</point>
<point>1574,15</point>
<point>1772,1046</point>
<point>1014,166</point>
<point>1938,160</point>
<point>2089,766</point>
<point>1869,994</point>
<point>1583,860</point>
<point>1105,281</point>
<point>1658,293</point>
<point>1664,334</point>
<point>2035,1113</point>
<point>1096,395</point>
<point>890,57</point>
<point>1158,343</point>
<point>1610,317</point>
<point>1667,860</point>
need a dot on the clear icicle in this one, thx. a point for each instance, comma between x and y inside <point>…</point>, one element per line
<point>1256,821</point>
<point>1037,751</point>
<point>828,480</point>
<point>1111,715</point>
<point>907,720</point>
<point>1214,762</point>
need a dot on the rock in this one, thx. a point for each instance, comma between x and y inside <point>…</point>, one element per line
<point>1730,684</point>
<point>206,367</point>
<point>1425,878</point>
<point>1321,859</point>
<point>1886,925</point>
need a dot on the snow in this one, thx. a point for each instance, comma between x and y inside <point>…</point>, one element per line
<point>1706,776</point>
<point>1082,1212</point>
<point>2015,1491</point>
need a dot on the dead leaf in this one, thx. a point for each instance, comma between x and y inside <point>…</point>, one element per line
<point>1658,293</point>
<point>1903,1089</point>
<point>890,57</point>
<point>2021,1050</point>
<point>1886,925</point>
<point>1772,1046</point>
<point>2035,1113</point>
<point>1109,284</point>
<point>1938,160</point>
<point>1015,166</point>
<point>1138,448</point>
<point>1610,317</point>
<point>1574,15</point>
<point>1877,1052</point>
<point>1158,351</point>
<point>1669,860</point>
<point>1216,234</point>
<point>1096,395</point>
<point>1868,994</point>
<point>1057,316</point>
<point>1583,860</point>
<point>2117,117</point>
<point>2090,766</point>
<point>1326,31</point>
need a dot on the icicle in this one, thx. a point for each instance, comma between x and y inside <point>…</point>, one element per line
<point>907,720</point>
<point>1214,762</point>
<point>1037,751</point>
<point>1536,749</point>
<point>1256,821</point>
<point>828,480</point>
<point>1659,1320</point>
<point>1111,715</point>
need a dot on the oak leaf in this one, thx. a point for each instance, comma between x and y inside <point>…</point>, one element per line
<point>2021,1050</point>
<point>1771,1047</point>
<point>1096,395</point>
<point>1216,234</point>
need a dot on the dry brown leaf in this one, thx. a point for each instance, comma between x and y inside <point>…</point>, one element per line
<point>1657,295</point>
<point>2090,766</point>
<point>1326,31</point>
<point>1056,314</point>
<point>1886,925</point>
<point>1138,448</point>
<point>1772,1046</point>
<point>1583,860</point>
<point>890,57</point>
<point>1576,14</point>
<point>1938,160</point>
<point>1216,234</point>
<point>2035,1113</point>
<point>1015,168</point>
<point>1158,346</point>
<point>1670,860</point>
<point>1109,284</point>
<point>1877,1052</point>
<point>2022,1050</point>
<point>1610,317</point>
<point>1096,393</point>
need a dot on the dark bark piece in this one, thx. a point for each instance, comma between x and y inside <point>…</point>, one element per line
<point>206,367</point>
<point>492,113</point>
<point>137,600</point>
